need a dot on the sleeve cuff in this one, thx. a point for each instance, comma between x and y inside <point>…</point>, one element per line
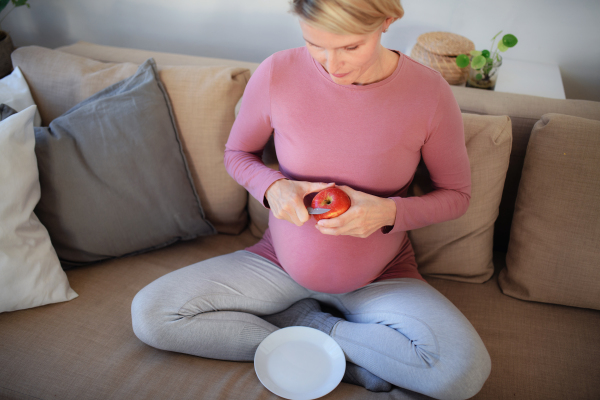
<point>277,177</point>
<point>387,228</point>
<point>399,211</point>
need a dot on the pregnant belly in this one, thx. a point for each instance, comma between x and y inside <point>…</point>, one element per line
<point>331,264</point>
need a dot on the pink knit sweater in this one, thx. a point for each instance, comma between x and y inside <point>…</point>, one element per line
<point>368,137</point>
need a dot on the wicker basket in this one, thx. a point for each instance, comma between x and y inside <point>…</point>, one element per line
<point>438,50</point>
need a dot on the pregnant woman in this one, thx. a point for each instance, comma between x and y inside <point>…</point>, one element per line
<point>346,112</point>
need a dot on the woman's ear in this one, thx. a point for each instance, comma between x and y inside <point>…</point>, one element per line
<point>388,21</point>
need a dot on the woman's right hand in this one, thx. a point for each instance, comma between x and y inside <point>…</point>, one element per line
<point>286,199</point>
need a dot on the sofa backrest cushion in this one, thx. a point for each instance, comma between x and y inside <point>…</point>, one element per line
<point>113,176</point>
<point>462,249</point>
<point>524,111</point>
<point>203,101</point>
<point>554,250</point>
<point>123,54</point>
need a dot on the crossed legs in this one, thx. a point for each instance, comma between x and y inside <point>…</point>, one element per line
<point>209,309</point>
<point>407,333</point>
<point>401,330</point>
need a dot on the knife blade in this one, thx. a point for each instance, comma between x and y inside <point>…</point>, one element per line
<point>313,211</point>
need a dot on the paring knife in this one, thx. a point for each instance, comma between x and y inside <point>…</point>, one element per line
<point>313,211</point>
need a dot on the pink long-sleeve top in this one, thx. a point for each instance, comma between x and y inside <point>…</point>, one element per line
<point>369,137</point>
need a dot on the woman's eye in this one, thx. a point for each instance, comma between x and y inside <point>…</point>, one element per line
<point>352,48</point>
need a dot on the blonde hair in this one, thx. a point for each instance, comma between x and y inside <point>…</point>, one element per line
<point>347,17</point>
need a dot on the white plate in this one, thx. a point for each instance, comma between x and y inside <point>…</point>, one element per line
<point>299,363</point>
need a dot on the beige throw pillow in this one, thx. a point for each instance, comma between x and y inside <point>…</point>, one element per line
<point>554,249</point>
<point>462,249</point>
<point>203,101</point>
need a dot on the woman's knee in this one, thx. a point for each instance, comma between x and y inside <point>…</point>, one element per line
<point>158,304</point>
<point>463,376</point>
<point>146,318</point>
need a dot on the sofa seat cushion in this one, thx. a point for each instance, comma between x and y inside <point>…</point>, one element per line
<point>86,348</point>
<point>538,351</point>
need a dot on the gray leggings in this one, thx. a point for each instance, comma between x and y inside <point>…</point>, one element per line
<point>402,330</point>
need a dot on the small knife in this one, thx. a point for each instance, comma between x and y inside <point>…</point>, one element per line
<point>313,211</point>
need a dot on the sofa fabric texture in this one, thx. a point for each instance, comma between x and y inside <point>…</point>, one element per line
<point>114,179</point>
<point>554,249</point>
<point>30,273</point>
<point>204,116</point>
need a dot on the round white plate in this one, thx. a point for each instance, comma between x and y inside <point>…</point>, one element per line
<point>299,363</point>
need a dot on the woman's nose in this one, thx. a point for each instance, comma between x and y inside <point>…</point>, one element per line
<point>332,62</point>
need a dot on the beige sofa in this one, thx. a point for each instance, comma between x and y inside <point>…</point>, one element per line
<point>543,338</point>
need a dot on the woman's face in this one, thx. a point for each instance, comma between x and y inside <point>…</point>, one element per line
<point>347,58</point>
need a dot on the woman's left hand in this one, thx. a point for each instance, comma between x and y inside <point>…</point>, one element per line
<point>367,213</point>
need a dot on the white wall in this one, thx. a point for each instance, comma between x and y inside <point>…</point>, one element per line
<point>558,32</point>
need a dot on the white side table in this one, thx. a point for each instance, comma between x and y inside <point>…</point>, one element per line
<point>524,77</point>
<point>532,78</point>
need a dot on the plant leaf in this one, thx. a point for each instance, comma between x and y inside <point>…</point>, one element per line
<point>502,47</point>
<point>462,60</point>
<point>19,3</point>
<point>3,4</point>
<point>485,53</point>
<point>478,77</point>
<point>475,53</point>
<point>509,40</point>
<point>478,62</point>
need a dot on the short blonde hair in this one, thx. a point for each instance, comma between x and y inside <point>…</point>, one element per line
<point>347,17</point>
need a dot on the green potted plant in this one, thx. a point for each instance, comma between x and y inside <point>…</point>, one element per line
<point>6,45</point>
<point>485,65</point>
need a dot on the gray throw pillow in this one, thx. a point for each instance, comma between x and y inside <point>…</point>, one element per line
<point>113,176</point>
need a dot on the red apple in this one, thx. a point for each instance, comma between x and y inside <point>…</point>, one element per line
<point>333,198</point>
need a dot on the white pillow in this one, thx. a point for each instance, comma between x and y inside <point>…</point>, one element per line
<point>30,273</point>
<point>14,92</point>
